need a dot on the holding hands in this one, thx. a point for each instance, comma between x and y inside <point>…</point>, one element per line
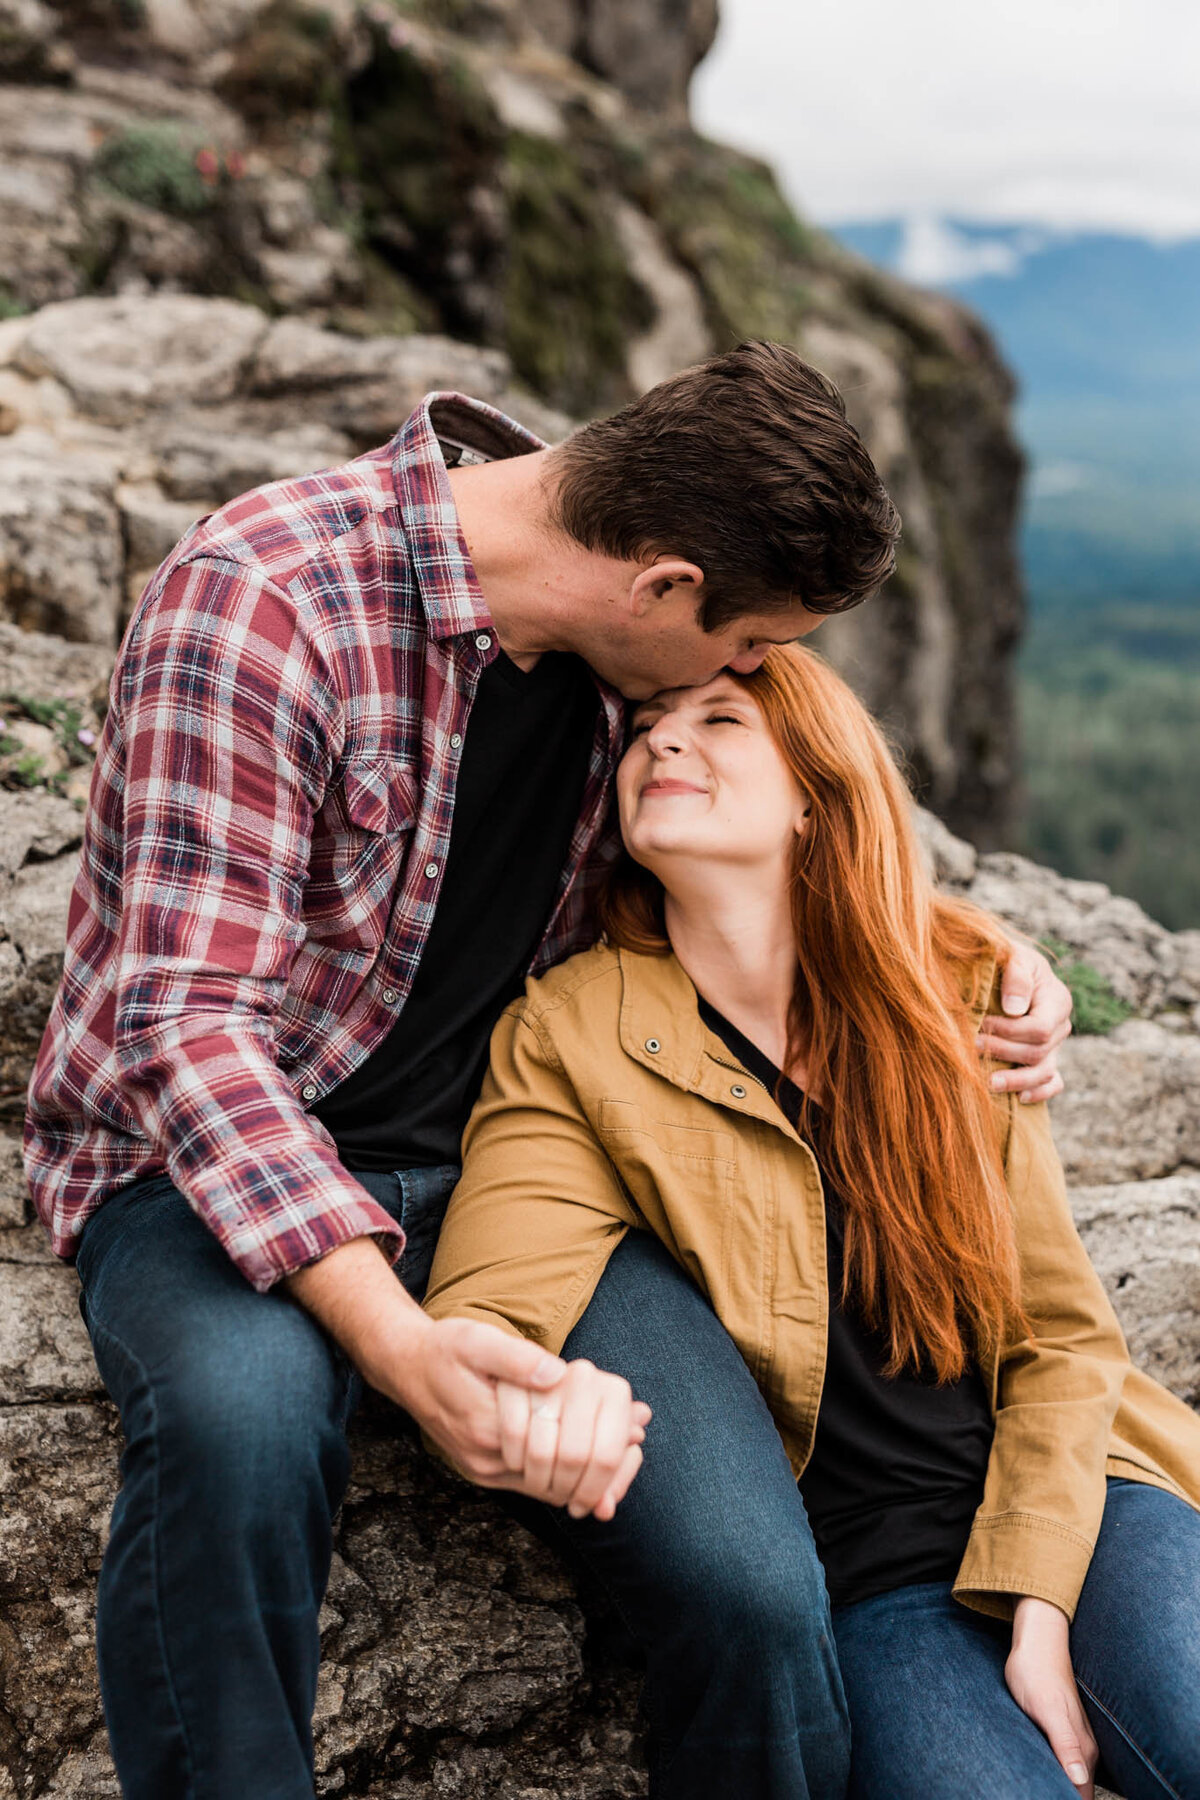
<point>510,1416</point>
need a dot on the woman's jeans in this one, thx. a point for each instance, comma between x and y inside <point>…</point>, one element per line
<point>235,1407</point>
<point>931,1717</point>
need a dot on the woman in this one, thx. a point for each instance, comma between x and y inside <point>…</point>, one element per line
<point>770,1064</point>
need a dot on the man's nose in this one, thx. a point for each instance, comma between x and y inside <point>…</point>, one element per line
<point>747,661</point>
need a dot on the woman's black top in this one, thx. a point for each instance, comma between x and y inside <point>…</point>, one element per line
<point>898,1462</point>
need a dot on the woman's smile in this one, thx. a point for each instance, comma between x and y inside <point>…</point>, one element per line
<point>670,784</point>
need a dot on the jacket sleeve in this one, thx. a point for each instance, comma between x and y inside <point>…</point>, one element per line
<point>539,1209</point>
<point>1057,1395</point>
<point>228,711</point>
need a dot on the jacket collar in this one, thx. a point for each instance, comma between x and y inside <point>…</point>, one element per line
<point>661,1028</point>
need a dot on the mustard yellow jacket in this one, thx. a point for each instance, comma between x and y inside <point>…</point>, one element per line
<point>610,1106</point>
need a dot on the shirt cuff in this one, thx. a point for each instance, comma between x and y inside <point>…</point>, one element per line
<point>295,1247</point>
<point>1010,1555</point>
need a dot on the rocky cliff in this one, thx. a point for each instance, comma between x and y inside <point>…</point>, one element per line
<point>240,241</point>
<point>519,178</point>
<point>460,1658</point>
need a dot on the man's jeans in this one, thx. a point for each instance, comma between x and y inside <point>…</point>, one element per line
<point>235,1407</point>
<point>933,1719</point>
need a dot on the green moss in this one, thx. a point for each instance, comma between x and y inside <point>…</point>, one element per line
<point>416,141</point>
<point>284,66</point>
<point>726,219</point>
<point>156,165</point>
<point>1098,1009</point>
<point>28,770</point>
<point>10,306</point>
<point>571,304</point>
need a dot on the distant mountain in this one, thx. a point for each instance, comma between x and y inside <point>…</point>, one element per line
<point>1104,335</point>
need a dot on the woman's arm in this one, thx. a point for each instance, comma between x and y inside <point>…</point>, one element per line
<point>529,1230</point>
<point>539,1209</point>
<point>1058,1392</point>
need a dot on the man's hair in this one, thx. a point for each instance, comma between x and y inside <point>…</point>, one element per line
<point>747,466</point>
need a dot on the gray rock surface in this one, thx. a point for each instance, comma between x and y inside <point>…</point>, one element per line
<point>181,173</point>
<point>457,1656</point>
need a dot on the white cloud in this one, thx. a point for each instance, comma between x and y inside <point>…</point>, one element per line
<point>933,254</point>
<point>1077,114</point>
<point>1050,481</point>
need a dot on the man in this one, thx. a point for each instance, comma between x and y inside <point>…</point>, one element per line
<point>353,785</point>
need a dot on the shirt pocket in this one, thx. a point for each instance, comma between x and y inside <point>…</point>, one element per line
<point>360,841</point>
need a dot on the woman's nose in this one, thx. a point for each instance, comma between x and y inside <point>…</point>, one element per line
<point>665,738</point>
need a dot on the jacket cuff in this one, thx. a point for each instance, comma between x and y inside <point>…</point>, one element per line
<point>1013,1554</point>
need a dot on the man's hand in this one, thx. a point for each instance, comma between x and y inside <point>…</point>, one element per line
<point>579,1444</point>
<point>1037,1019</point>
<point>1042,1682</point>
<point>448,1374</point>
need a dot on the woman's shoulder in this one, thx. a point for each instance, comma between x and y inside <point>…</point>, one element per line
<point>572,989</point>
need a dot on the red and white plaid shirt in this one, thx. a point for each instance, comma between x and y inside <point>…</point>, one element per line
<point>268,825</point>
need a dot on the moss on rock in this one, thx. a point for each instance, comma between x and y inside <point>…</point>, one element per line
<point>726,219</point>
<point>156,165</point>
<point>571,303</point>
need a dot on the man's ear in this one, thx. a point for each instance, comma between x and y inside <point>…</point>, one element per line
<point>660,579</point>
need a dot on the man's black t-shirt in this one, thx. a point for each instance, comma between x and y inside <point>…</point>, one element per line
<point>517,799</point>
<point>898,1462</point>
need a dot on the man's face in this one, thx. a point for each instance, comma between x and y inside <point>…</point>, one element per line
<point>668,648</point>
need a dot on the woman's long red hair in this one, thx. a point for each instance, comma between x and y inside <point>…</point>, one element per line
<point>888,973</point>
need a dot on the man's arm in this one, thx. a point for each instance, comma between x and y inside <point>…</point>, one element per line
<point>1036,1019</point>
<point>231,726</point>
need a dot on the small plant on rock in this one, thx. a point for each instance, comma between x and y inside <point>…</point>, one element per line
<point>160,164</point>
<point>1099,1009</point>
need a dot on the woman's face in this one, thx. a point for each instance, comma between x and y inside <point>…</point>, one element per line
<point>702,779</point>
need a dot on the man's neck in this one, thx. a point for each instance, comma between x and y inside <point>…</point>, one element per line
<point>537,582</point>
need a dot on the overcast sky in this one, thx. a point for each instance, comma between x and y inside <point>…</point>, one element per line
<point>1066,113</point>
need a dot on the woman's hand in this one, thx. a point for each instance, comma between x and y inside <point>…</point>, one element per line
<point>1037,1019</point>
<point>577,1444</point>
<point>1042,1682</point>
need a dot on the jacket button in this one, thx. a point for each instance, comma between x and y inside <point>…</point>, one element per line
<point>308,1093</point>
<point>430,871</point>
<point>456,741</point>
<point>738,1091</point>
<point>389,996</point>
<point>653,1046</point>
<point>483,641</point>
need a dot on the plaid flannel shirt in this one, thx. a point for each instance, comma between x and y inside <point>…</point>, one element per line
<point>268,824</point>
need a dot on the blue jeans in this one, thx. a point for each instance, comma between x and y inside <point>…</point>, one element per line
<point>932,1719</point>
<point>235,1408</point>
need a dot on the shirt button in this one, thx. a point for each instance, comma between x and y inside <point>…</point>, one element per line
<point>389,995</point>
<point>653,1046</point>
<point>456,741</point>
<point>738,1091</point>
<point>309,1092</point>
<point>483,641</point>
<point>431,870</point>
